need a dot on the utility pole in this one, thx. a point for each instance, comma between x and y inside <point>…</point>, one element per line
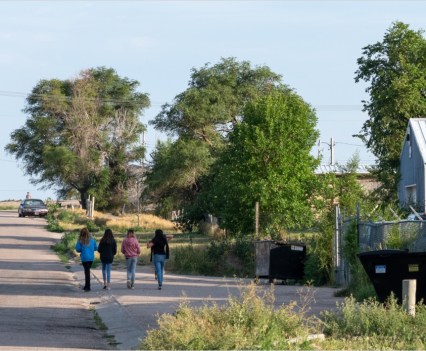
<point>256,220</point>
<point>331,146</point>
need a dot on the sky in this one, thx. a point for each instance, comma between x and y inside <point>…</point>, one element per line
<point>314,45</point>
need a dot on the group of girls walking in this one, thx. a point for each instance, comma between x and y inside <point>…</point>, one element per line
<point>86,245</point>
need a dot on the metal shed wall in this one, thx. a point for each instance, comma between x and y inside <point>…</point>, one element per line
<point>412,164</point>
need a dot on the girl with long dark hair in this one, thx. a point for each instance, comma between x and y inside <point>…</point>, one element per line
<point>107,249</point>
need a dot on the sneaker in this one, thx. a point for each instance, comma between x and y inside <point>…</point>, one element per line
<point>159,287</point>
<point>86,289</point>
<point>108,286</point>
<point>129,284</point>
<point>104,287</point>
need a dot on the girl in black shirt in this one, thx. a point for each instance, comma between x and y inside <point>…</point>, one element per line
<point>107,249</point>
<point>160,250</point>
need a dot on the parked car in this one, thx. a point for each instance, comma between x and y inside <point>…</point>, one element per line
<point>32,207</point>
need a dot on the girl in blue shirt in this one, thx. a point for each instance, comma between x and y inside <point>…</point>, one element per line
<point>86,246</point>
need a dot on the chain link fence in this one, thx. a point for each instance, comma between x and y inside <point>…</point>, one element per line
<point>407,235</point>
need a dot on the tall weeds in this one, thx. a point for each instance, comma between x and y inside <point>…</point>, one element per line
<point>247,323</point>
<point>371,325</point>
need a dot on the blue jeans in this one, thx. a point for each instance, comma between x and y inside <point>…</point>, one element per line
<point>159,261</point>
<point>106,272</point>
<point>131,268</point>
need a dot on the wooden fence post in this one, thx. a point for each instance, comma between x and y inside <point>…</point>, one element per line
<point>257,219</point>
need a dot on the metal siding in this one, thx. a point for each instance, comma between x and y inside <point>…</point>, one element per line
<point>413,169</point>
<point>406,170</point>
<point>421,191</point>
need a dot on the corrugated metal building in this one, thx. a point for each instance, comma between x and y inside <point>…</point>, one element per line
<point>411,188</point>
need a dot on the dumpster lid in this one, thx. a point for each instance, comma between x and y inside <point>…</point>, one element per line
<point>383,252</point>
<point>283,242</point>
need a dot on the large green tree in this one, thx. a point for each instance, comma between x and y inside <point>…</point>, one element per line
<point>268,160</point>
<point>82,134</point>
<point>174,178</point>
<point>199,120</point>
<point>395,69</point>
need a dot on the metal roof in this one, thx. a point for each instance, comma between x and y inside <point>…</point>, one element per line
<point>337,169</point>
<point>418,128</point>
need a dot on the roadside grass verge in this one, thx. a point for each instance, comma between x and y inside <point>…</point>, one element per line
<point>247,323</point>
<point>190,253</point>
<point>371,325</point>
<point>253,323</point>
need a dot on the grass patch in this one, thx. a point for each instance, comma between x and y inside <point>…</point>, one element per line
<point>98,320</point>
<point>247,323</point>
<point>65,248</point>
<point>371,325</point>
<point>8,208</point>
<point>70,220</point>
<point>10,205</point>
<point>252,322</point>
<point>102,326</point>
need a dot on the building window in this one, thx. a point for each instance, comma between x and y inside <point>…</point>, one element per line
<point>410,194</point>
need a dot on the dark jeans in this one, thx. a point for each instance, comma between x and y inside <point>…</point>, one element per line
<point>87,265</point>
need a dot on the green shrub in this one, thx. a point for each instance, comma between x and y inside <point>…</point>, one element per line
<point>244,251</point>
<point>92,227</point>
<point>53,225</point>
<point>360,286</point>
<point>65,247</point>
<point>52,219</point>
<point>184,259</point>
<point>247,323</point>
<point>217,258</point>
<point>318,261</point>
<point>372,325</point>
<point>68,216</point>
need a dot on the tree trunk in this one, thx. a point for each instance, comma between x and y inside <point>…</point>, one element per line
<point>83,199</point>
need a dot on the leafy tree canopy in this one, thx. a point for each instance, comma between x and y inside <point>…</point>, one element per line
<point>268,160</point>
<point>214,100</point>
<point>396,71</point>
<point>200,119</point>
<point>82,134</point>
<point>174,178</point>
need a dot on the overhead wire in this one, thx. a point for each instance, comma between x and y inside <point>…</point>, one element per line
<point>6,93</point>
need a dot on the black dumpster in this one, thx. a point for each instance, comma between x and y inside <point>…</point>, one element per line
<point>262,257</point>
<point>287,261</point>
<point>388,268</point>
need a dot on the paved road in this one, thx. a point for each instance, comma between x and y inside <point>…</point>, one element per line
<point>42,305</point>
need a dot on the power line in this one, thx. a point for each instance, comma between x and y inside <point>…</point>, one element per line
<point>338,107</point>
<point>66,98</point>
<point>6,93</point>
<point>341,142</point>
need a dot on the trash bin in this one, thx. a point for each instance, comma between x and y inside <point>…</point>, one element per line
<point>287,261</point>
<point>262,250</point>
<point>388,268</point>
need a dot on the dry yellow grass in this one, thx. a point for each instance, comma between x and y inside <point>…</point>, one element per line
<point>148,221</point>
<point>140,220</point>
<point>11,203</point>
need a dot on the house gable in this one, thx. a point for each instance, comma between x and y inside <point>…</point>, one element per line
<point>411,187</point>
